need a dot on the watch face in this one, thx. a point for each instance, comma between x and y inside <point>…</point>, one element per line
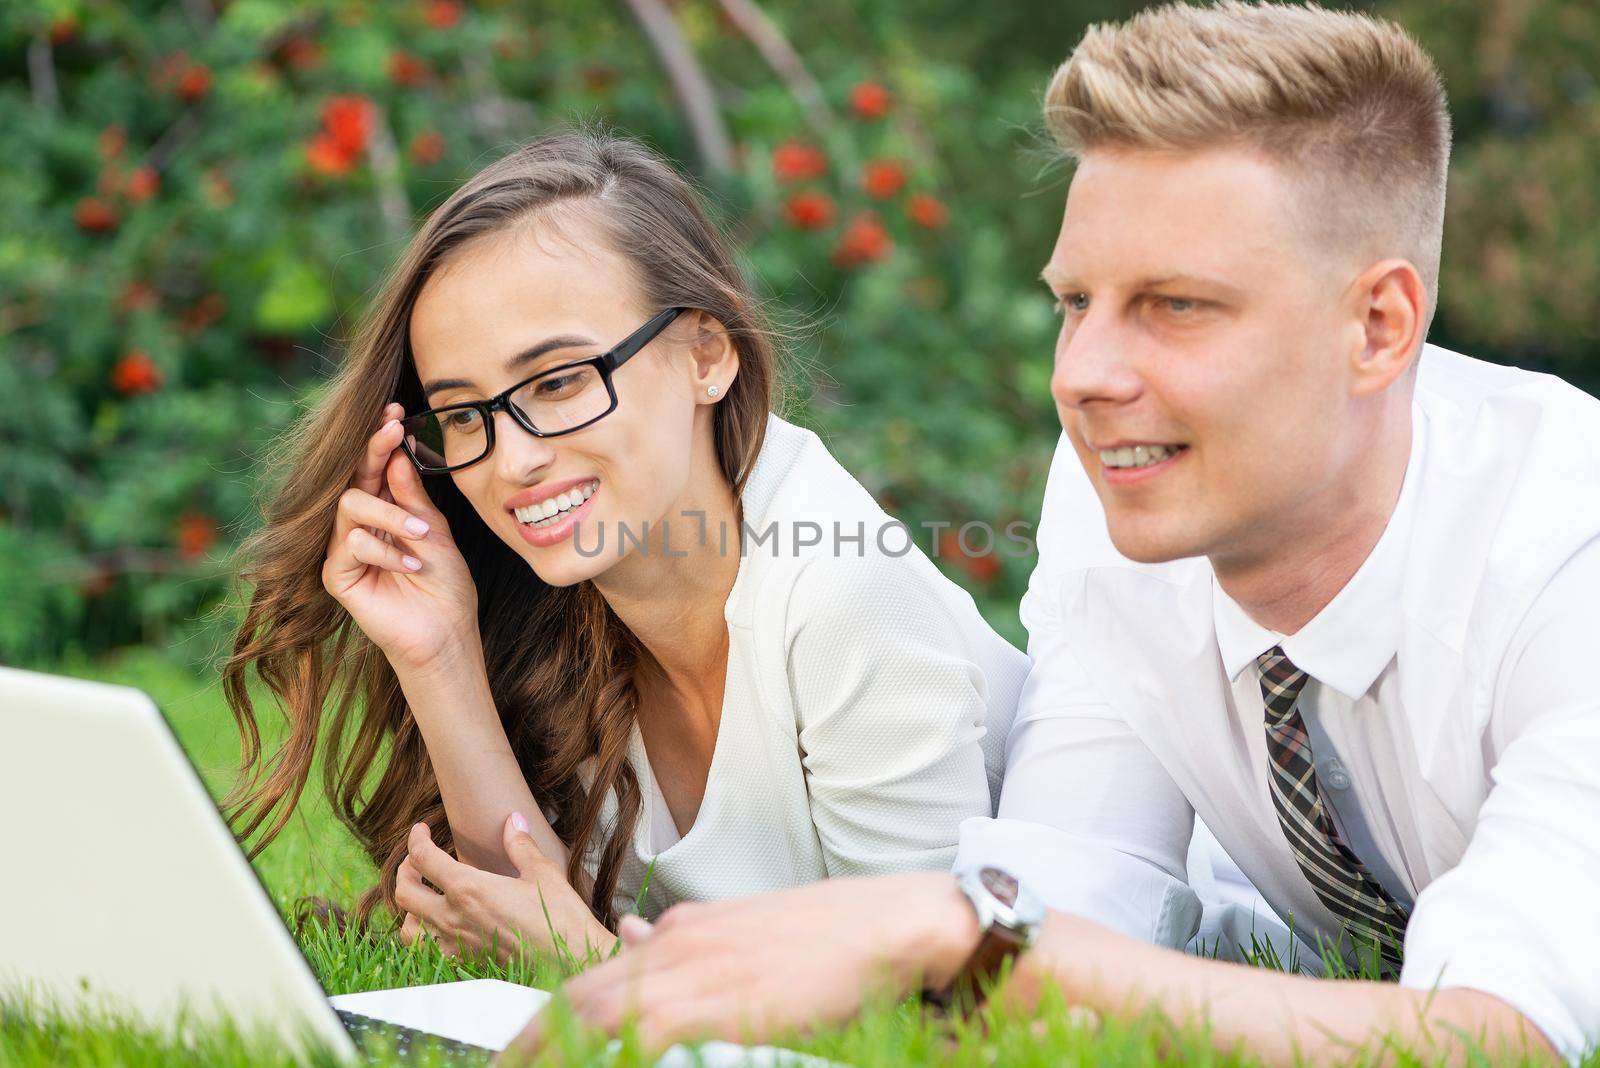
<point>1001,885</point>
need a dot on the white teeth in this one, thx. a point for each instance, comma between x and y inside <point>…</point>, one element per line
<point>1137,455</point>
<point>545,512</point>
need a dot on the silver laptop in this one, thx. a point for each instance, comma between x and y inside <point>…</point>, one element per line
<point>137,899</point>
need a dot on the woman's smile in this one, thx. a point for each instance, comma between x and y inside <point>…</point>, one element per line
<point>556,515</point>
<point>569,495</point>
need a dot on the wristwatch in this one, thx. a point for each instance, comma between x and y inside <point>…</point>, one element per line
<point>1009,919</point>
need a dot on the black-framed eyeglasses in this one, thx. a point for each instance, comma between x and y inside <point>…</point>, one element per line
<point>556,401</point>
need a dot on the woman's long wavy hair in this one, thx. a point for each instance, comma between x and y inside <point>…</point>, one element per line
<point>561,665</point>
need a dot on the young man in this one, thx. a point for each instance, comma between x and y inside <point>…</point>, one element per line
<point>1331,588</point>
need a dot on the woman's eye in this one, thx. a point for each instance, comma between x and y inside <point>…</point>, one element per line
<point>554,387</point>
<point>1076,302</point>
<point>1180,305</point>
<point>463,419</point>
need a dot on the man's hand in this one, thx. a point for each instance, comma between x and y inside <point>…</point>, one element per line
<point>478,908</point>
<point>750,969</point>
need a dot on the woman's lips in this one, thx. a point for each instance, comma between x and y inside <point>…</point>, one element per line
<point>560,530</point>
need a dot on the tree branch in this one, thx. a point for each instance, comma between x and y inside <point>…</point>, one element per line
<point>14,317</point>
<point>42,74</point>
<point>173,138</point>
<point>127,560</point>
<point>495,114</point>
<point>688,82</point>
<point>780,55</point>
<point>392,199</point>
<point>200,14</point>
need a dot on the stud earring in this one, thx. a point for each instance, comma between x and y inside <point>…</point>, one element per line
<point>711,391</point>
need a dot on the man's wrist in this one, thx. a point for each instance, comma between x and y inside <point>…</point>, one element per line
<point>944,933</point>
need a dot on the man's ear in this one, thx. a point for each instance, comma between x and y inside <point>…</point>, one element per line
<point>1392,305</point>
<point>714,355</point>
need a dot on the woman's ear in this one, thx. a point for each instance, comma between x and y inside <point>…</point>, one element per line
<point>714,358</point>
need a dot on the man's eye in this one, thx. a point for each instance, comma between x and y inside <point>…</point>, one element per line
<point>1072,302</point>
<point>1181,305</point>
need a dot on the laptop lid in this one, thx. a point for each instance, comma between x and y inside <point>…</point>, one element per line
<point>132,893</point>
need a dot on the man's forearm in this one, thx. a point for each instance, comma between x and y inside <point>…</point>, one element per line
<point>478,774</point>
<point>1276,1016</point>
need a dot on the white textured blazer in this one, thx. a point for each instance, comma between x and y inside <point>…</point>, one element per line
<point>866,707</point>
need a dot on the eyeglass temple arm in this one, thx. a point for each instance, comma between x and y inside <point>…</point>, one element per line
<point>642,337</point>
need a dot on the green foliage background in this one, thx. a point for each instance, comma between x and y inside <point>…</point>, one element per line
<point>159,326</point>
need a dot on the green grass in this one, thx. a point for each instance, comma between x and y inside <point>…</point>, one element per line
<point>314,856</point>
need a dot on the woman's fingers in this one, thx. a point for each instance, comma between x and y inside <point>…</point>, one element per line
<point>414,930</point>
<point>434,864</point>
<point>361,509</point>
<point>411,894</point>
<point>368,478</point>
<point>634,930</point>
<point>353,546</point>
<point>369,471</point>
<point>366,548</point>
<point>351,556</point>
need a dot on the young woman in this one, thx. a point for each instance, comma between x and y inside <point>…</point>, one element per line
<point>581,607</point>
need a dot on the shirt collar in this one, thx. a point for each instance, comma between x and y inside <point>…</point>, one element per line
<point>1353,638</point>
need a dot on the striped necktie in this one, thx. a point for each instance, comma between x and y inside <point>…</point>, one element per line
<point>1336,874</point>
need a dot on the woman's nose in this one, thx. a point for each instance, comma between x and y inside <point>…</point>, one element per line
<point>517,453</point>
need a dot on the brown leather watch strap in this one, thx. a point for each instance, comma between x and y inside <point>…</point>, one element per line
<point>973,982</point>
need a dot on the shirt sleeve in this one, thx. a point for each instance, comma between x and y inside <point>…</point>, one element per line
<point>1516,918</point>
<point>891,701</point>
<point>1088,817</point>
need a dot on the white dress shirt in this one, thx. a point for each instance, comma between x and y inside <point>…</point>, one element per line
<point>1453,676</point>
<point>866,706</point>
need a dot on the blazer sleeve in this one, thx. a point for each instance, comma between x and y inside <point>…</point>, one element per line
<point>890,700</point>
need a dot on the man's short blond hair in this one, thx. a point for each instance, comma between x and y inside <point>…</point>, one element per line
<point>1351,105</point>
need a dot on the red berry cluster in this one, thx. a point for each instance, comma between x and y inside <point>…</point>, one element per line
<point>427,148</point>
<point>135,373</point>
<point>984,567</point>
<point>196,533</point>
<point>346,126</point>
<point>407,70</point>
<point>864,238</point>
<point>870,100</point>
<point>117,186</point>
<point>182,76</point>
<point>443,14</point>
<point>864,241</point>
<point>300,52</point>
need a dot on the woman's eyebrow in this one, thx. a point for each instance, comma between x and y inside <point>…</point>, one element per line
<point>526,356</point>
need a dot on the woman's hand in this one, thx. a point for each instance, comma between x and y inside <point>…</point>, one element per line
<point>477,908</point>
<point>391,561</point>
